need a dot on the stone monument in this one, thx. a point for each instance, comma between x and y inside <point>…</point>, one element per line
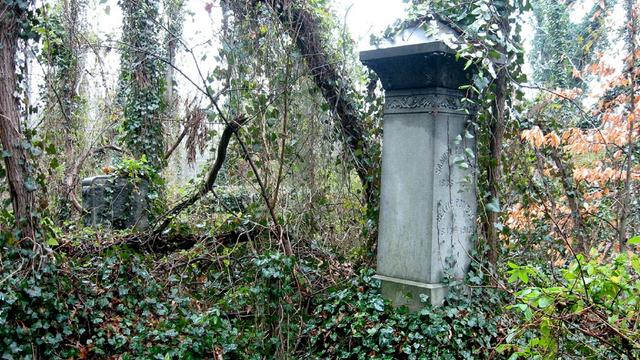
<point>115,202</point>
<point>428,199</point>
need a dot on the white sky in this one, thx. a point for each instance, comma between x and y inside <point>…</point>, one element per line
<point>367,17</point>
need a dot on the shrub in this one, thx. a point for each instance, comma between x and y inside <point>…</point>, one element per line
<point>589,310</point>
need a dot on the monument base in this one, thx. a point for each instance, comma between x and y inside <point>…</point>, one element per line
<point>406,292</point>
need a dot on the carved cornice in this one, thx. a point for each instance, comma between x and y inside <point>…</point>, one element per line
<point>436,102</point>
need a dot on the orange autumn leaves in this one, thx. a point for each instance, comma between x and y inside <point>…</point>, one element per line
<point>537,139</point>
<point>613,133</point>
<point>598,155</point>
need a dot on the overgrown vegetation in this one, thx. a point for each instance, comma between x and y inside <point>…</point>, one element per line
<point>200,303</point>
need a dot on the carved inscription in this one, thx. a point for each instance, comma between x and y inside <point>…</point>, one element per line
<point>446,182</point>
<point>461,206</point>
<point>442,162</point>
<point>456,223</point>
<point>443,178</point>
<point>456,230</point>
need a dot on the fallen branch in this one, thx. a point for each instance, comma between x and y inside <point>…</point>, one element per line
<point>210,180</point>
<point>164,244</point>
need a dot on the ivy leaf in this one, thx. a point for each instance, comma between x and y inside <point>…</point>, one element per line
<point>469,153</point>
<point>35,151</point>
<point>51,149</point>
<point>634,240</point>
<point>54,163</point>
<point>30,184</point>
<point>493,206</point>
<point>468,135</point>
<point>458,160</point>
<point>34,292</point>
<point>469,62</point>
<point>378,304</point>
<point>544,302</point>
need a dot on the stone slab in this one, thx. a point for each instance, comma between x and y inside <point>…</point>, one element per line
<point>413,42</point>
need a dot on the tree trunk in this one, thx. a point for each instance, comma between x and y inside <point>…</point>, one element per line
<point>142,81</point>
<point>15,157</point>
<point>496,134</point>
<point>571,192</point>
<point>494,171</point>
<point>626,195</point>
<point>68,105</point>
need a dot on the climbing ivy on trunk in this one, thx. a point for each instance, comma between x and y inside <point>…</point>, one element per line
<point>142,81</point>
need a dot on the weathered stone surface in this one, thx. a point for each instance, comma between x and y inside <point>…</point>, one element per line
<point>428,200</point>
<point>115,202</point>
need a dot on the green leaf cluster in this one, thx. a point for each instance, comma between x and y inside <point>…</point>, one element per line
<point>588,310</point>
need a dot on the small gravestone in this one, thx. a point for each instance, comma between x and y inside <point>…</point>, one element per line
<point>428,199</point>
<point>115,202</point>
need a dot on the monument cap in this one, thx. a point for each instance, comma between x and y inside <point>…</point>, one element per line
<point>415,58</point>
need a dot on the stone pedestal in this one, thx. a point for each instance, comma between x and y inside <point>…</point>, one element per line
<point>428,200</point>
